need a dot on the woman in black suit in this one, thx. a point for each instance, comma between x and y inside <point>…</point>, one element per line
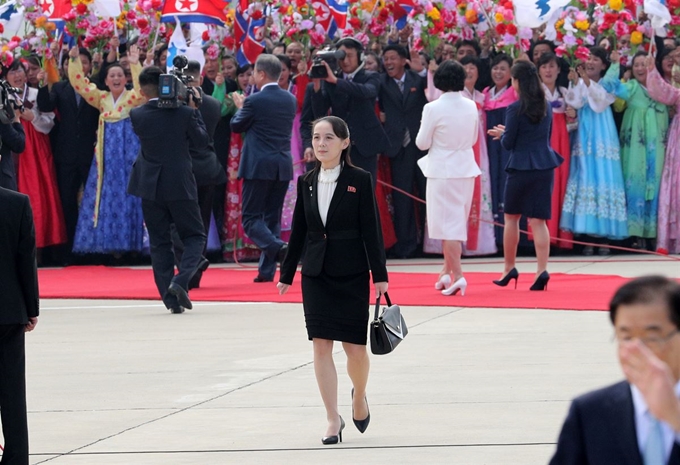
<point>336,221</point>
<point>530,168</point>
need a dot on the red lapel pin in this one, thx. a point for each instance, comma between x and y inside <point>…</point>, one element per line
<point>351,189</point>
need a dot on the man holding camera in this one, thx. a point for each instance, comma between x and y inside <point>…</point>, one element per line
<point>351,95</point>
<point>13,140</point>
<point>163,177</point>
<point>266,164</point>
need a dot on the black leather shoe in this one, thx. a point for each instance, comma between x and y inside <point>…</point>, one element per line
<point>195,281</point>
<point>361,424</point>
<point>177,309</point>
<point>282,253</point>
<point>262,279</point>
<point>328,440</point>
<point>182,295</point>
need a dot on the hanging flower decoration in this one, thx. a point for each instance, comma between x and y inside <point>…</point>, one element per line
<point>573,35</point>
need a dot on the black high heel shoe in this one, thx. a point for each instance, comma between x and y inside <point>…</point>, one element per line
<point>512,274</point>
<point>361,424</point>
<point>327,440</point>
<point>541,283</point>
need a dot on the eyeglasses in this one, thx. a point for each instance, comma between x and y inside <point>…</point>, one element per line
<point>651,342</point>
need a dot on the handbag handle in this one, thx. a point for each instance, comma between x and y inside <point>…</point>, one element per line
<point>377,304</point>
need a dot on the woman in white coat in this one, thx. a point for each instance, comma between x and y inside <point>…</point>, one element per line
<point>449,131</point>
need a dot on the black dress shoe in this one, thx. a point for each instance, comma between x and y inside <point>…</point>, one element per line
<point>195,281</point>
<point>177,309</point>
<point>182,295</point>
<point>262,279</point>
<point>282,253</point>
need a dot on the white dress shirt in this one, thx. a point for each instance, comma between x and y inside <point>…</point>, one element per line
<point>642,421</point>
<point>328,180</point>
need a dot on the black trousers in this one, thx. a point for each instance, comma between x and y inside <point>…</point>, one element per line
<point>70,178</point>
<point>159,216</point>
<point>407,176</point>
<point>13,395</point>
<point>205,203</point>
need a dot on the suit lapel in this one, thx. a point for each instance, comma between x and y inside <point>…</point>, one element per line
<point>313,192</point>
<point>623,422</point>
<point>675,455</point>
<point>407,87</point>
<point>340,189</point>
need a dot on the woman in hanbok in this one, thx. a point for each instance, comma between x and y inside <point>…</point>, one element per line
<point>496,100</point>
<point>549,71</point>
<point>668,229</point>
<point>237,246</point>
<point>595,202</point>
<point>110,221</point>
<point>481,239</point>
<point>643,135</point>
<point>37,176</point>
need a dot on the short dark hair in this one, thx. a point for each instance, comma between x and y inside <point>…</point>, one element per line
<point>401,51</point>
<point>280,44</point>
<point>450,77</point>
<point>149,79</point>
<point>470,43</point>
<point>502,57</point>
<point>341,130</point>
<point>547,58</point>
<point>350,42</point>
<point>285,61</point>
<point>547,42</point>
<point>193,67</point>
<point>601,53</point>
<point>470,60</point>
<point>648,289</point>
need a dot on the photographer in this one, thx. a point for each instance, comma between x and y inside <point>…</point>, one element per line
<point>162,176</point>
<point>351,94</point>
<point>12,136</point>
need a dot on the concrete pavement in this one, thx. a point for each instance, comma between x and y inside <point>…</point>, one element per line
<point>126,382</point>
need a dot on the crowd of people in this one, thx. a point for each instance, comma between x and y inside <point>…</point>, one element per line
<point>612,125</point>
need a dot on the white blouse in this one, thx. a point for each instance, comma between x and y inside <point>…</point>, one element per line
<point>328,179</point>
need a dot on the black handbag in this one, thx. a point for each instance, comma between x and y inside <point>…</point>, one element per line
<point>387,329</point>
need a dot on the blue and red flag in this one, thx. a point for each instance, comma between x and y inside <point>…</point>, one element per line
<point>339,12</point>
<point>253,43</point>
<point>240,25</point>
<point>54,10</point>
<point>194,11</point>
<point>401,10</point>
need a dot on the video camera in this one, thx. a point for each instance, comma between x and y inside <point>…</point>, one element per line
<point>330,56</point>
<point>9,101</point>
<point>174,89</point>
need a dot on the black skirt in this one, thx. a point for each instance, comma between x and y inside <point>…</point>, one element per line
<point>336,307</point>
<point>529,193</point>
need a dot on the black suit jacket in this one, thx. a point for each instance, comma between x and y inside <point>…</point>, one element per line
<point>207,169</point>
<point>267,119</point>
<point>403,110</point>
<point>600,430</point>
<point>350,243</point>
<point>13,139</point>
<point>76,124</point>
<point>354,102</point>
<point>163,169</point>
<point>18,271</point>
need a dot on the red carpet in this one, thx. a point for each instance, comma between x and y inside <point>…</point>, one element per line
<point>565,291</point>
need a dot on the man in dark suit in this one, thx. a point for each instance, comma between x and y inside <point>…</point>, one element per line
<point>207,170</point>
<point>266,164</point>
<point>162,176</point>
<point>351,95</point>
<point>12,140</point>
<point>19,308</point>
<point>637,421</point>
<point>73,141</point>
<point>402,98</point>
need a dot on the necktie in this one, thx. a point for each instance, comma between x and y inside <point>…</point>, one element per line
<point>654,453</point>
<point>78,99</point>
<point>407,135</point>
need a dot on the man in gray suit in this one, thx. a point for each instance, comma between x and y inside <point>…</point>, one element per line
<point>266,164</point>
<point>19,308</point>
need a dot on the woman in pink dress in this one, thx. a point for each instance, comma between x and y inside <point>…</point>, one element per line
<point>549,70</point>
<point>668,228</point>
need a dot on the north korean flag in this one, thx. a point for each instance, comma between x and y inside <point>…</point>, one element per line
<point>54,10</point>
<point>401,10</point>
<point>253,43</point>
<point>339,12</point>
<point>240,25</point>
<point>194,11</point>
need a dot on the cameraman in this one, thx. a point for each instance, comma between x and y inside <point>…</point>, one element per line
<point>162,176</point>
<point>207,168</point>
<point>351,95</point>
<point>12,138</point>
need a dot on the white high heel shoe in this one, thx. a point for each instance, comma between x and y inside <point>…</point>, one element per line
<point>459,285</point>
<point>443,282</point>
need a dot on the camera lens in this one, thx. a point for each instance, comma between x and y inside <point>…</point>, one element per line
<point>180,62</point>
